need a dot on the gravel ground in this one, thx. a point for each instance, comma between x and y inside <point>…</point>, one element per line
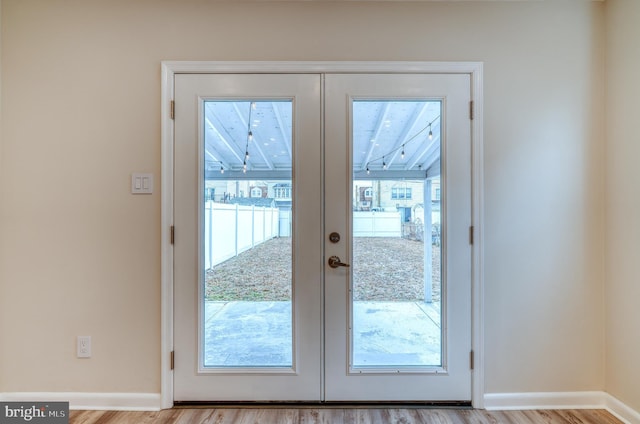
<point>383,269</point>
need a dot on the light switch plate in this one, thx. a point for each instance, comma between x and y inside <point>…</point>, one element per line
<point>141,183</point>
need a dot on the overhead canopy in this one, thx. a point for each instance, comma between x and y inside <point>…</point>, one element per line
<point>391,139</point>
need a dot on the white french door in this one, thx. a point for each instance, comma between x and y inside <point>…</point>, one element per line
<point>407,139</point>
<point>321,249</point>
<point>233,345</point>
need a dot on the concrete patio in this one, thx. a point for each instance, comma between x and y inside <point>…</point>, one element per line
<point>247,334</point>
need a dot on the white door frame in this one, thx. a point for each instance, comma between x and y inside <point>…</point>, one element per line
<point>473,69</point>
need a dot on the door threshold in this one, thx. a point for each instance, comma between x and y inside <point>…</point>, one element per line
<point>447,404</point>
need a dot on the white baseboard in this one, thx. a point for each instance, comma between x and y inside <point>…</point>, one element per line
<point>92,401</point>
<point>492,401</point>
<point>562,400</point>
<point>621,410</point>
<point>544,400</point>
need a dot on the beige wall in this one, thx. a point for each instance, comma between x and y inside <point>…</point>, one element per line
<point>80,255</point>
<point>2,293</point>
<point>623,202</point>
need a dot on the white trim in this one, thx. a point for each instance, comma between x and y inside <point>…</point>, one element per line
<point>562,400</point>
<point>544,400</point>
<point>621,410</point>
<point>166,219</point>
<point>477,258</point>
<point>474,69</point>
<point>91,401</point>
<point>260,67</point>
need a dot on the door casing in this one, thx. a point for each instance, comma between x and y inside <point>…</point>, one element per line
<point>170,69</point>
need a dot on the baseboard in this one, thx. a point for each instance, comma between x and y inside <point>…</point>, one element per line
<point>92,401</point>
<point>621,410</point>
<point>544,400</point>
<point>492,401</point>
<point>562,400</point>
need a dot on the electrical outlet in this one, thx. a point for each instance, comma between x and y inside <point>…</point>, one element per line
<point>84,347</point>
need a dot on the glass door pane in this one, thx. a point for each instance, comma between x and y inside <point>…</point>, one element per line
<point>246,207</point>
<point>396,288</point>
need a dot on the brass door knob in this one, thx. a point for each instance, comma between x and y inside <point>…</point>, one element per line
<point>335,262</point>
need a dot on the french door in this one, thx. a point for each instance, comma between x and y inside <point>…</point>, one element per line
<point>321,249</point>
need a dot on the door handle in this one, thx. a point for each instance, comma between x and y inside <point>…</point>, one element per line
<point>335,262</point>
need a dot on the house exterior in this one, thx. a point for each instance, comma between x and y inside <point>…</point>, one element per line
<point>225,190</point>
<point>406,196</point>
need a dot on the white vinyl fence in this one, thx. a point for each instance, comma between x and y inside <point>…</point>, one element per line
<point>232,229</point>
<point>377,224</point>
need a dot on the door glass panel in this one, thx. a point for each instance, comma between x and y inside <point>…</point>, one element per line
<point>396,281</point>
<point>247,226</point>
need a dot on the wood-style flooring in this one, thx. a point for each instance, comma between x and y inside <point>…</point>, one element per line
<point>342,416</point>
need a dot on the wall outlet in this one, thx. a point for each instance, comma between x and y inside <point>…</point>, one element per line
<point>84,347</point>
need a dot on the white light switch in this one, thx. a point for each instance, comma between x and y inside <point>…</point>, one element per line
<point>141,183</point>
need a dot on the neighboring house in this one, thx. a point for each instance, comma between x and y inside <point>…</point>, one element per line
<point>258,191</point>
<point>379,195</point>
<point>392,195</point>
<point>227,191</point>
<point>282,192</point>
<point>220,190</point>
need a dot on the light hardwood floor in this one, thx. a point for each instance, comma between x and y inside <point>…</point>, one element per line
<point>342,416</point>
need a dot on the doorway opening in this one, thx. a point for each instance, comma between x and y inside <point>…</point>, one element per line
<point>176,188</point>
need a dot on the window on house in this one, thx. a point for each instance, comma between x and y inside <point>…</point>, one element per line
<point>437,194</point>
<point>282,192</point>
<point>368,192</point>
<point>398,193</point>
<point>256,192</point>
